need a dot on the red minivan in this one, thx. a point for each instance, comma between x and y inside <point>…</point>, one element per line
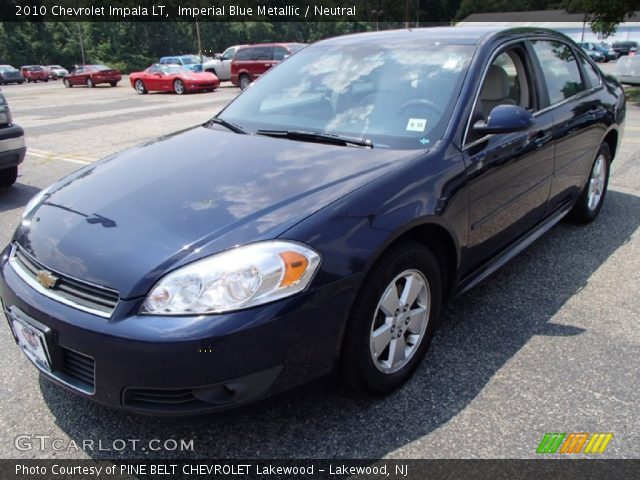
<point>251,61</point>
<point>33,73</point>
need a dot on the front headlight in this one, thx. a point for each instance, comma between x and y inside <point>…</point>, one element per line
<point>236,279</point>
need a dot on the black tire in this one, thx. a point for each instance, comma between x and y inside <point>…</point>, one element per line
<point>20,83</point>
<point>90,83</point>
<point>178,87</point>
<point>28,80</point>
<point>139,87</point>
<point>67,83</point>
<point>46,80</point>
<point>585,211</point>
<point>8,177</point>
<point>113,84</point>
<point>358,370</point>
<point>244,81</point>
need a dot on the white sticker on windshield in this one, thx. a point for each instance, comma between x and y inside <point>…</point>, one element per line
<point>416,124</point>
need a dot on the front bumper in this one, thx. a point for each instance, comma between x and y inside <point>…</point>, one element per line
<point>12,147</point>
<point>188,364</point>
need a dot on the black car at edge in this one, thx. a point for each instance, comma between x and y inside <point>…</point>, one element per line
<point>320,221</point>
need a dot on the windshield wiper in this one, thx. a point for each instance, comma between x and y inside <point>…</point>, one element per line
<point>317,137</point>
<point>225,123</point>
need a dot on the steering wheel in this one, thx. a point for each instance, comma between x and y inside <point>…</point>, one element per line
<point>421,103</point>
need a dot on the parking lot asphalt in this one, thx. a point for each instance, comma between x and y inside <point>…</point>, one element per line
<point>550,343</point>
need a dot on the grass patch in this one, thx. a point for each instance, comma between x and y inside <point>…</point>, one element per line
<point>633,94</point>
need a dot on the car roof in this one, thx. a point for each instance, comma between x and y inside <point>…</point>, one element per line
<point>463,35</point>
<point>276,44</point>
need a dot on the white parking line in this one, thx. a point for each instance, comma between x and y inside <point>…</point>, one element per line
<point>54,156</point>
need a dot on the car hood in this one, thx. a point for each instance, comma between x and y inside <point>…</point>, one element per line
<point>126,220</point>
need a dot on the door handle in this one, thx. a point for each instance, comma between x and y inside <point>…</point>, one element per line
<point>542,138</point>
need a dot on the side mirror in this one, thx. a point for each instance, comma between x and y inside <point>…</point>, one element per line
<point>505,119</point>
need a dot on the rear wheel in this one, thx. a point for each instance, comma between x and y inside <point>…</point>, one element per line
<point>90,83</point>
<point>178,87</point>
<point>590,202</point>
<point>113,84</point>
<point>46,80</point>
<point>139,87</point>
<point>67,83</point>
<point>244,81</point>
<point>8,176</point>
<point>393,320</point>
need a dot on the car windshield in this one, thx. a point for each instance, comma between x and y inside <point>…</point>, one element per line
<point>396,96</point>
<point>56,66</point>
<point>174,69</point>
<point>189,59</point>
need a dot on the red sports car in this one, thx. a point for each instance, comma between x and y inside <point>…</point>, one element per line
<point>92,75</point>
<point>172,78</point>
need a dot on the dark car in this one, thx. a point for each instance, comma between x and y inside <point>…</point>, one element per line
<point>607,54</point>
<point>251,61</point>
<point>92,75</point>
<point>34,73</point>
<point>318,222</point>
<point>625,48</point>
<point>12,148</point>
<point>9,74</point>
<point>595,55</point>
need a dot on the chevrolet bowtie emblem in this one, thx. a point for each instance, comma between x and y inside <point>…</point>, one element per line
<point>47,279</point>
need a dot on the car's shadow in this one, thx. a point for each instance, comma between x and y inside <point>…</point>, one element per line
<point>16,196</point>
<point>479,333</point>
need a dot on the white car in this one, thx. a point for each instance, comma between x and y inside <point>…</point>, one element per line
<point>628,70</point>
<point>220,66</point>
<point>58,70</point>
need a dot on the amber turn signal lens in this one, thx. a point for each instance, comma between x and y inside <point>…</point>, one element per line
<point>295,265</point>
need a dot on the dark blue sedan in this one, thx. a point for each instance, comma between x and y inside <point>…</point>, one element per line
<point>319,221</point>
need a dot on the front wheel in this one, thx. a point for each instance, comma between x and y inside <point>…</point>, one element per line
<point>67,83</point>
<point>8,176</point>
<point>90,83</point>
<point>178,87</point>
<point>139,87</point>
<point>590,202</point>
<point>393,320</point>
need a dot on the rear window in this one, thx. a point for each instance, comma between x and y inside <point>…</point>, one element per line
<point>262,53</point>
<point>560,69</point>
<point>99,67</point>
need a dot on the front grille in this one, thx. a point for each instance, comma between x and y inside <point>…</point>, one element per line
<point>76,293</point>
<point>78,370</point>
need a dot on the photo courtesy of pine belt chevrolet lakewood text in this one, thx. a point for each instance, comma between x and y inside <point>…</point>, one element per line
<point>318,223</point>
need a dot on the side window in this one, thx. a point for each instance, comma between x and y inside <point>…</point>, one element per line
<point>163,61</point>
<point>280,53</point>
<point>244,54</point>
<point>560,70</point>
<point>155,69</point>
<point>505,83</point>
<point>590,71</point>
<point>263,53</point>
<point>228,54</point>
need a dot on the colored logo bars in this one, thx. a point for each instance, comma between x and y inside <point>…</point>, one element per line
<point>574,442</point>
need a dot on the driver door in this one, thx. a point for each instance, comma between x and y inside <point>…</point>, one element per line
<point>509,174</point>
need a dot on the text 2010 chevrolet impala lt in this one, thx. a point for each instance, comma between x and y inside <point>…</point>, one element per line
<point>319,221</point>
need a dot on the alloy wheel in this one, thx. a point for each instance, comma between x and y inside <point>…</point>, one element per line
<point>597,182</point>
<point>400,321</point>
